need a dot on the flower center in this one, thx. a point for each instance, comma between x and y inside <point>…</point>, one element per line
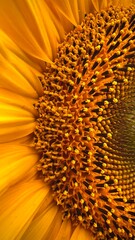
<point>85,129</point>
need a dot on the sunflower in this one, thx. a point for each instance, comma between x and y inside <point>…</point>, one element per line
<point>67,104</point>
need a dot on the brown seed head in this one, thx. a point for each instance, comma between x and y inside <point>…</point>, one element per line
<point>86,124</point>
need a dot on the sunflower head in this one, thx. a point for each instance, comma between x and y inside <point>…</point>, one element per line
<point>85,128</point>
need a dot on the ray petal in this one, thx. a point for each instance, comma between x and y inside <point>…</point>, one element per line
<point>23,202</point>
<point>16,116</point>
<point>40,227</point>
<point>9,48</point>
<point>24,141</point>
<point>32,30</point>
<point>86,7</point>
<point>66,8</point>
<point>16,74</point>
<point>81,234</point>
<point>65,231</point>
<point>125,3</point>
<point>16,100</point>
<point>15,164</point>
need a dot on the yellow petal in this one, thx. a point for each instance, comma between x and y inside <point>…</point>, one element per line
<point>75,11</point>
<point>43,225</point>
<point>54,227</point>
<point>24,141</point>
<point>9,48</point>
<point>87,6</point>
<point>13,80</point>
<point>30,26</point>
<point>15,164</point>
<point>21,102</point>
<point>16,116</point>
<point>16,74</point>
<point>96,4</point>
<point>70,12</point>
<point>62,20</point>
<point>81,234</point>
<point>12,133</point>
<point>66,8</point>
<point>65,231</point>
<point>18,208</point>
<point>125,3</point>
<point>101,4</point>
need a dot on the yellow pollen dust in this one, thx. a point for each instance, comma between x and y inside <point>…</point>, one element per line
<point>85,130</point>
